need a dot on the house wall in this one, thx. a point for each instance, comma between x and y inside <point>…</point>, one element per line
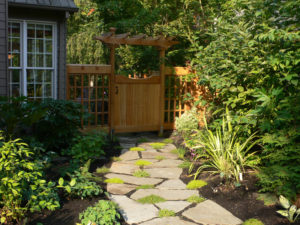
<point>3,48</point>
<point>54,16</point>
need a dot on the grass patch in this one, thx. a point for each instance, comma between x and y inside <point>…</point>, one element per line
<point>268,198</point>
<point>142,140</point>
<point>157,145</point>
<point>195,184</point>
<point>185,164</point>
<point>195,199</point>
<point>166,213</point>
<point>115,159</point>
<point>168,141</point>
<point>145,186</point>
<point>114,180</point>
<point>151,199</point>
<point>137,149</point>
<point>253,221</point>
<point>160,157</point>
<point>102,170</point>
<point>142,163</point>
<point>141,173</point>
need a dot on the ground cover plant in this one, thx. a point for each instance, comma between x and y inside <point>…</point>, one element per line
<point>160,157</point>
<point>145,186</point>
<point>151,199</point>
<point>141,173</point>
<point>168,141</point>
<point>195,199</point>
<point>166,213</point>
<point>142,163</point>
<point>136,149</point>
<point>157,145</point>
<point>253,222</point>
<point>195,184</point>
<point>102,170</point>
<point>114,180</point>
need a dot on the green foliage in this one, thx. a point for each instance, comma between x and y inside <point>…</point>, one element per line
<point>187,122</point>
<point>224,151</point>
<point>88,146</point>
<point>165,213</point>
<point>102,213</point>
<point>157,145</point>
<point>151,199</point>
<point>22,187</point>
<point>141,163</point>
<point>145,186</point>
<point>253,221</point>
<point>137,149</point>
<point>180,152</point>
<point>195,199</point>
<point>116,159</point>
<point>168,141</point>
<point>195,184</point>
<point>102,170</point>
<point>141,173</point>
<point>114,180</point>
<point>185,164</point>
<point>268,198</point>
<point>160,157</point>
<point>290,211</point>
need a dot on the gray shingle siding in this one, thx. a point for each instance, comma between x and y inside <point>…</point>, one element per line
<point>3,48</point>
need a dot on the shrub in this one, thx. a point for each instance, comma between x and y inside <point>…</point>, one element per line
<point>114,180</point>
<point>157,145</point>
<point>151,199</point>
<point>195,184</point>
<point>88,146</point>
<point>22,186</point>
<point>102,213</point>
<point>253,221</point>
<point>195,199</point>
<point>137,149</point>
<point>187,122</point>
<point>141,173</point>
<point>166,213</point>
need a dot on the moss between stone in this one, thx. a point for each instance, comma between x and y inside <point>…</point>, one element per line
<point>157,145</point>
<point>168,141</point>
<point>195,199</point>
<point>185,164</point>
<point>102,170</point>
<point>114,180</point>
<point>137,149</point>
<point>141,173</point>
<point>142,163</point>
<point>145,186</point>
<point>160,157</point>
<point>151,199</point>
<point>253,221</point>
<point>195,184</point>
<point>166,213</point>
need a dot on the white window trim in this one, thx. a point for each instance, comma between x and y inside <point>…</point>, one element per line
<point>23,50</point>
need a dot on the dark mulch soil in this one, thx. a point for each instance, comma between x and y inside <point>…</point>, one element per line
<point>240,201</point>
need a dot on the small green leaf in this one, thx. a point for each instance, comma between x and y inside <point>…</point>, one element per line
<point>68,189</point>
<point>61,181</point>
<point>3,219</point>
<point>283,212</point>
<point>73,182</point>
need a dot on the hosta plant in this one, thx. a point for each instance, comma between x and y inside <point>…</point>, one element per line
<point>224,152</point>
<point>290,211</point>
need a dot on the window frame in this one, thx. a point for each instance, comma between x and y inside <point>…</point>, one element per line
<point>23,56</point>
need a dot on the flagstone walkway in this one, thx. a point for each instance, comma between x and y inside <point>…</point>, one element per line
<point>165,176</point>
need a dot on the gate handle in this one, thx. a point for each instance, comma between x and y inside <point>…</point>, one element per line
<point>117,90</point>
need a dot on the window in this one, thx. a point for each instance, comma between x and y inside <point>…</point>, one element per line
<point>31,56</point>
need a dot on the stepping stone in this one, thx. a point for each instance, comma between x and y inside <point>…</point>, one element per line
<point>129,155</point>
<point>152,155</point>
<point>172,184</point>
<point>170,163</point>
<point>170,173</point>
<point>169,148</point>
<point>166,194</point>
<point>168,221</point>
<point>209,212</point>
<point>120,189</point>
<point>134,180</point>
<point>134,212</point>
<point>175,206</point>
<point>119,167</point>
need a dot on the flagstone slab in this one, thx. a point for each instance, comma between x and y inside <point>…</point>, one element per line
<point>119,167</point>
<point>175,206</point>
<point>152,155</point>
<point>134,180</point>
<point>120,189</point>
<point>170,163</point>
<point>166,194</point>
<point>169,148</point>
<point>170,173</point>
<point>130,155</point>
<point>209,212</point>
<point>172,184</point>
<point>168,221</point>
<point>134,212</point>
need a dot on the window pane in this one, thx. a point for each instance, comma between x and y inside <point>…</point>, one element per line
<point>48,31</point>
<point>31,30</point>
<point>16,45</point>
<point>15,76</point>
<point>31,45</point>
<point>39,90</point>
<point>49,46</point>
<point>40,46</point>
<point>30,90</point>
<point>30,76</point>
<point>15,29</point>
<point>30,60</point>
<point>39,60</point>
<point>48,76</point>
<point>40,31</point>
<point>39,76</point>
<point>48,60</point>
<point>48,91</point>
<point>15,60</point>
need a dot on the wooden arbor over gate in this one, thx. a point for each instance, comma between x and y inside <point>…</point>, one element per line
<point>136,104</point>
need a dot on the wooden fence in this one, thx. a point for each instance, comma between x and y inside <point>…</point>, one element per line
<point>132,104</point>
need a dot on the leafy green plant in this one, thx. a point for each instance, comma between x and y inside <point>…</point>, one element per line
<point>224,152</point>
<point>166,213</point>
<point>168,141</point>
<point>142,163</point>
<point>195,184</point>
<point>180,152</point>
<point>185,164</point>
<point>151,199</point>
<point>22,187</point>
<point>253,221</point>
<point>114,180</point>
<point>160,157</point>
<point>102,213</point>
<point>137,149</point>
<point>141,173</point>
<point>290,211</point>
<point>195,199</point>
<point>157,145</point>
<point>145,186</point>
<point>88,146</point>
<point>187,122</point>
<point>102,170</point>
